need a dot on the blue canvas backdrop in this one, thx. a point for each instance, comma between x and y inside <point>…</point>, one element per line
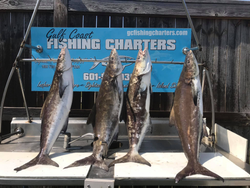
<point>96,43</point>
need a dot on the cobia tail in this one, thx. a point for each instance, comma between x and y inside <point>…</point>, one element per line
<point>55,111</point>
<point>137,105</point>
<point>186,114</point>
<point>105,114</point>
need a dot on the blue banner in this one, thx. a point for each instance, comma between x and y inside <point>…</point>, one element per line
<point>96,43</point>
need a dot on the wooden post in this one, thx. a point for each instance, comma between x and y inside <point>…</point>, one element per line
<point>60,13</point>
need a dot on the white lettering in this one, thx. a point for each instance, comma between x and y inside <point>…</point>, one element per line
<point>63,44</point>
<point>107,44</point>
<point>152,44</point>
<point>49,43</point>
<point>86,44</point>
<point>171,44</point>
<point>161,45</point>
<point>128,44</point>
<point>137,44</point>
<point>71,43</point>
<point>96,44</point>
<point>119,44</point>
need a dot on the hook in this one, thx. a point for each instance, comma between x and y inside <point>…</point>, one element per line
<point>81,60</point>
<point>33,57</point>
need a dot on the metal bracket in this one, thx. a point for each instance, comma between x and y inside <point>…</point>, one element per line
<point>38,48</point>
<point>67,139</point>
<point>185,50</point>
<point>99,183</point>
<point>18,131</point>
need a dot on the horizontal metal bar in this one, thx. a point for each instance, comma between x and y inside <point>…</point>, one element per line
<point>98,60</point>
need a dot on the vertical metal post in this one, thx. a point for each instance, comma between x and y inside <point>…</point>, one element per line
<point>24,100</point>
<point>212,102</point>
<point>16,62</point>
<point>191,24</point>
<point>206,71</point>
<point>203,79</point>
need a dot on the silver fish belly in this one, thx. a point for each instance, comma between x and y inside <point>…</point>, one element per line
<point>137,104</point>
<point>186,114</point>
<point>105,114</point>
<point>55,111</point>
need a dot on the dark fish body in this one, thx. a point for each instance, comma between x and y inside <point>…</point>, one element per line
<point>55,111</point>
<point>186,114</point>
<point>137,106</point>
<point>105,115</point>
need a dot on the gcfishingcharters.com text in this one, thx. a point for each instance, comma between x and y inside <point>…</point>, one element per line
<point>155,33</point>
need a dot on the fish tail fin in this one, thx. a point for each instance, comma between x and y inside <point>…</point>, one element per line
<point>90,160</point>
<point>131,156</point>
<point>195,169</point>
<point>39,159</point>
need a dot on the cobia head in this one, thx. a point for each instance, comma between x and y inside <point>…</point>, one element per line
<point>114,65</point>
<point>143,63</point>
<point>190,68</point>
<point>63,61</point>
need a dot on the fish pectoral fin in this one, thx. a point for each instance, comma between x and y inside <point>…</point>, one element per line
<point>172,117</point>
<point>39,159</point>
<point>131,157</point>
<point>146,70</point>
<point>90,160</point>
<point>143,87</point>
<point>91,118</point>
<point>195,169</point>
<point>123,114</point>
<point>62,90</point>
<point>194,93</point>
<point>195,100</point>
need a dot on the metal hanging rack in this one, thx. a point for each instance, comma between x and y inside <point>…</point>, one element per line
<point>15,67</point>
<point>39,49</point>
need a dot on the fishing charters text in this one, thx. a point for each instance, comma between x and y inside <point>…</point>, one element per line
<point>76,40</point>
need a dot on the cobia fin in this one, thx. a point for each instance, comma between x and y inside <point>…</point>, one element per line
<point>61,89</point>
<point>195,169</point>
<point>194,92</point>
<point>123,115</point>
<point>131,156</point>
<point>90,160</point>
<point>39,159</point>
<point>91,118</point>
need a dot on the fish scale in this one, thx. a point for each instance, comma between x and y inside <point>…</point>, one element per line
<point>186,115</point>
<point>105,114</point>
<point>55,111</point>
<point>137,104</point>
